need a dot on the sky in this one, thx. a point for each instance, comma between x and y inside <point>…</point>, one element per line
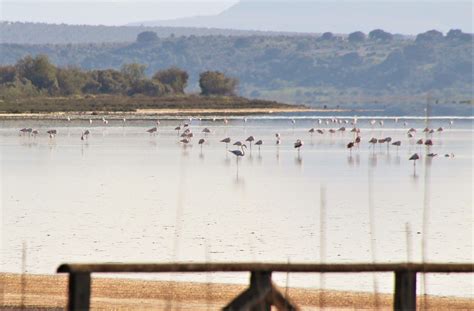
<point>122,12</point>
<point>109,12</point>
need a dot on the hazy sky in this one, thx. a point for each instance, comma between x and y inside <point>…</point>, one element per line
<point>120,12</point>
<point>109,12</point>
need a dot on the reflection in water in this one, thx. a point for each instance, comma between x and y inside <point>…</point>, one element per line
<point>373,160</point>
<point>299,160</point>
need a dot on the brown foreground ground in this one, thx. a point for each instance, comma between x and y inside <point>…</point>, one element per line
<point>49,292</point>
<point>40,292</point>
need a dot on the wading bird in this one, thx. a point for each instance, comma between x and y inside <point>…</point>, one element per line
<point>250,139</point>
<point>178,129</point>
<point>298,144</point>
<point>397,143</point>
<point>201,142</point>
<point>226,141</point>
<point>320,131</point>
<point>350,146</point>
<point>206,131</point>
<point>152,130</point>
<point>413,158</point>
<point>259,143</point>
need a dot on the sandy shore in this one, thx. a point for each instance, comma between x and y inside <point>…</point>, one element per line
<point>149,113</point>
<point>50,292</point>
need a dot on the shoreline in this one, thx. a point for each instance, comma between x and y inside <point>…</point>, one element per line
<point>144,114</point>
<point>50,292</point>
<point>149,113</point>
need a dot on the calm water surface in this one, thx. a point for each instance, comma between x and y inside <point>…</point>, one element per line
<point>125,195</point>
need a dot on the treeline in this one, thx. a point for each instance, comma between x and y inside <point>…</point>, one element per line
<point>42,33</point>
<point>37,76</point>
<point>304,67</point>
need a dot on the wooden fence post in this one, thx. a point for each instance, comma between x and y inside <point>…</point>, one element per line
<point>405,291</point>
<point>79,291</point>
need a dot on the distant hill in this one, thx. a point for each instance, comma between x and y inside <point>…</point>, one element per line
<point>303,69</point>
<point>41,33</point>
<point>405,17</point>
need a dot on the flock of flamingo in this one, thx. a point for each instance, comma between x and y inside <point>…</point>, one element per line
<point>187,135</point>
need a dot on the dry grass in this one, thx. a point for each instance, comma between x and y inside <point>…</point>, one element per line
<point>50,292</point>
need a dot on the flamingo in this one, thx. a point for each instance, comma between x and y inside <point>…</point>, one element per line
<point>419,142</point>
<point>426,130</point>
<point>373,141</point>
<point>381,123</point>
<point>341,129</point>
<point>35,132</point>
<point>311,130</point>
<point>90,121</point>
<point>178,129</point>
<point>298,144</point>
<point>206,131</point>
<point>226,141</point>
<point>24,130</point>
<point>332,131</point>
<point>250,139</point>
<point>410,135</point>
<point>412,130</point>
<point>52,133</point>
<point>388,140</point>
<point>238,143</point>
<point>185,141</point>
<point>185,124</point>
<point>397,143</point>
<point>86,134</point>
<point>201,142</point>
<point>226,121</point>
<point>320,131</point>
<point>277,135</point>
<point>152,130</point>
<point>357,140</point>
<point>440,129</point>
<point>413,158</point>
<point>431,155</point>
<point>428,143</point>
<point>123,121</point>
<point>239,153</point>
<point>350,146</point>
<point>259,143</point>
<point>158,122</point>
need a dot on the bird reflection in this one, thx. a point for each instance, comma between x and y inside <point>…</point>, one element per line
<point>373,160</point>
<point>299,160</point>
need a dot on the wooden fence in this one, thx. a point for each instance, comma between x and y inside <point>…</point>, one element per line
<point>262,293</point>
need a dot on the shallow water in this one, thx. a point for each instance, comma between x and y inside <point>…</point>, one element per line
<point>125,195</point>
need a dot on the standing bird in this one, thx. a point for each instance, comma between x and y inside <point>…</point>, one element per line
<point>341,129</point>
<point>397,143</point>
<point>239,153</point>
<point>201,142</point>
<point>52,133</point>
<point>35,132</point>
<point>250,139</point>
<point>185,141</point>
<point>440,129</point>
<point>226,141</point>
<point>428,143</point>
<point>413,158</point>
<point>206,131</point>
<point>320,131</point>
<point>419,142</point>
<point>90,121</point>
<point>373,141</point>
<point>350,146</point>
<point>152,130</point>
<point>298,144</point>
<point>178,129</point>
<point>259,143</point>
<point>238,143</point>
<point>311,131</point>
<point>86,134</point>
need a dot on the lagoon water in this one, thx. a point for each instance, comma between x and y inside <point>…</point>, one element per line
<point>124,195</point>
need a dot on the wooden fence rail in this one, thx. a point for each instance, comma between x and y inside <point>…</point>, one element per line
<point>261,294</point>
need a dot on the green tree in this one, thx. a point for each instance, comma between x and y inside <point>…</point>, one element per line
<point>133,72</point>
<point>380,35</point>
<point>176,78</point>
<point>147,37</point>
<point>356,37</point>
<point>71,80</point>
<point>39,71</point>
<point>149,88</point>
<point>8,74</point>
<point>216,83</point>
